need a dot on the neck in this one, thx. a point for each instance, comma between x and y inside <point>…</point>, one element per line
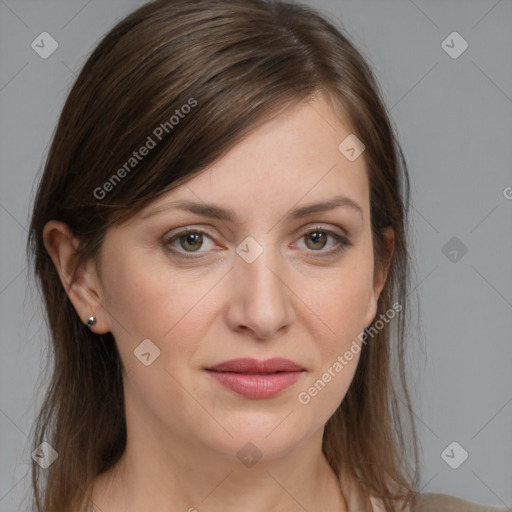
<point>184,478</point>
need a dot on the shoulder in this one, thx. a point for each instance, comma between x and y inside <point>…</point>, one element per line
<point>433,502</point>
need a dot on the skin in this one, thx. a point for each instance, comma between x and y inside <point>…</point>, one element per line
<point>184,429</point>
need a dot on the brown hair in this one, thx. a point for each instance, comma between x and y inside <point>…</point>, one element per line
<point>236,63</point>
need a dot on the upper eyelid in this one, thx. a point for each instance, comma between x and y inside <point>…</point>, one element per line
<point>190,229</point>
<point>187,229</point>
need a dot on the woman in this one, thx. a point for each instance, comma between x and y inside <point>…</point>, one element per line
<point>220,239</point>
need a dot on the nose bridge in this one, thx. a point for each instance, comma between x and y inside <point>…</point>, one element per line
<point>259,276</point>
<point>258,269</point>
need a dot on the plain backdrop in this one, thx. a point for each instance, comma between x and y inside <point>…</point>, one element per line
<point>452,109</point>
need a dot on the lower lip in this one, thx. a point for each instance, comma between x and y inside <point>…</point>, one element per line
<point>256,385</point>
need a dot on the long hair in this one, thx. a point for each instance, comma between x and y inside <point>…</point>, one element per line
<point>234,64</point>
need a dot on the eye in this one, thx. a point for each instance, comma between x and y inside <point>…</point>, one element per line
<point>189,240</point>
<point>316,240</point>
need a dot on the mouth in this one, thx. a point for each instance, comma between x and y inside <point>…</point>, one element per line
<point>251,378</point>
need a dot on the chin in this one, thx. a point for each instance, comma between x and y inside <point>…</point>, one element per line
<point>267,435</point>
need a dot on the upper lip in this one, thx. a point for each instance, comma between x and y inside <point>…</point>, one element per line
<point>247,365</point>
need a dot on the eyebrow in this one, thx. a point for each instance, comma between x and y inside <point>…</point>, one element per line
<point>225,215</point>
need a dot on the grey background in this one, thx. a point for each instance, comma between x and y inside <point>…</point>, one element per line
<point>454,121</point>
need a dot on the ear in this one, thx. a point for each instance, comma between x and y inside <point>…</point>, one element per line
<point>83,287</point>
<point>380,275</point>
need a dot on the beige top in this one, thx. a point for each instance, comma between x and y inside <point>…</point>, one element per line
<point>434,502</point>
<point>427,502</point>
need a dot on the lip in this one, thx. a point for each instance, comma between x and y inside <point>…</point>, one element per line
<point>256,379</point>
<point>248,365</point>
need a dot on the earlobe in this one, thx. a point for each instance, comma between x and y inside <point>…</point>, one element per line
<point>80,284</point>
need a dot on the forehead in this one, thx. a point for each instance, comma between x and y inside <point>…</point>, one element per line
<point>293,159</point>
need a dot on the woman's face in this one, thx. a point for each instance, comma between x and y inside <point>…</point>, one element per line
<point>254,285</point>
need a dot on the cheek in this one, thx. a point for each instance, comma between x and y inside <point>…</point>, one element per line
<point>341,312</point>
<point>146,299</point>
<point>140,295</point>
<point>340,305</point>
<point>134,298</point>
<point>340,301</point>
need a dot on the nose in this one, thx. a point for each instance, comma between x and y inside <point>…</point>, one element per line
<point>261,299</point>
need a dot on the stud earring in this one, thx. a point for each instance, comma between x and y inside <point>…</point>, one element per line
<point>91,321</point>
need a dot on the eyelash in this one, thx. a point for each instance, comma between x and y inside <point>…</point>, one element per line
<point>343,242</point>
